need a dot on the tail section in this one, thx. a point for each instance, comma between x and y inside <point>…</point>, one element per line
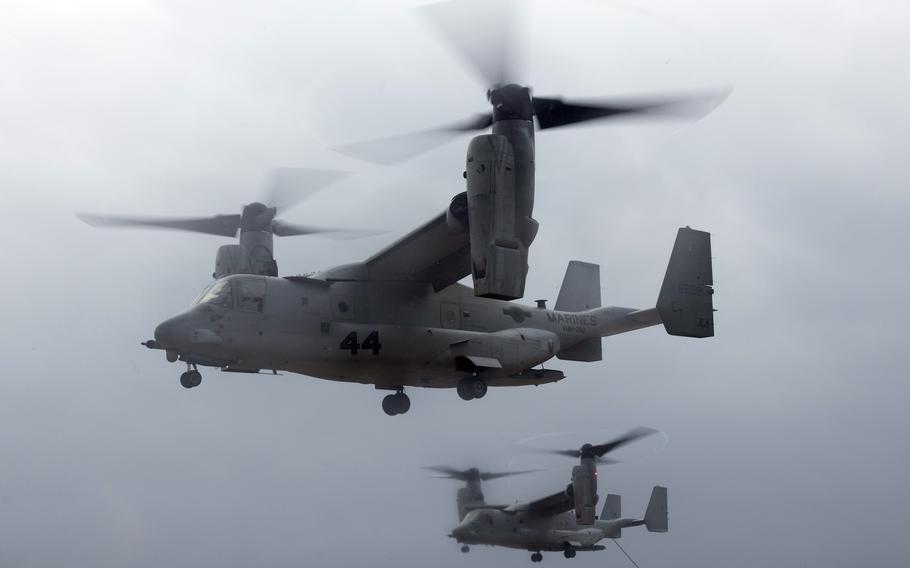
<point>685,303</point>
<point>580,288</point>
<point>611,515</point>
<point>656,513</point>
<point>611,521</point>
<point>612,508</point>
<point>580,291</point>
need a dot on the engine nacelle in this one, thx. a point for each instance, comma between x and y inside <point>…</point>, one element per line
<point>584,489</point>
<point>499,238</point>
<point>467,498</point>
<point>229,260</point>
<point>252,256</point>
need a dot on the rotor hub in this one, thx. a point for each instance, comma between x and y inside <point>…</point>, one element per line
<point>257,217</point>
<point>511,102</point>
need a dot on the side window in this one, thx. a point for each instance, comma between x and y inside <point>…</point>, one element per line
<point>219,294</point>
<point>251,294</point>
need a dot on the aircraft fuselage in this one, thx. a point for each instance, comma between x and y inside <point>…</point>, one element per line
<point>390,334</point>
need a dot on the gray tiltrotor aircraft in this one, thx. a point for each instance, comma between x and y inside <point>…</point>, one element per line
<point>400,318</point>
<point>385,322</point>
<point>564,521</point>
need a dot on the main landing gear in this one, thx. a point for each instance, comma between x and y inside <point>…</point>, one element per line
<point>536,557</point>
<point>469,389</point>
<point>568,550</point>
<point>397,403</point>
<point>192,378</point>
<point>465,549</point>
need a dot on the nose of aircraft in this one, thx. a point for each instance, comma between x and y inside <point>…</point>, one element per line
<point>164,334</point>
<point>172,333</point>
<point>461,531</point>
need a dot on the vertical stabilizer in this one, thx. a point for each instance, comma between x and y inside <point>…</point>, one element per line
<point>580,288</point>
<point>656,513</point>
<point>580,291</point>
<point>612,512</point>
<point>685,303</point>
<point>612,508</point>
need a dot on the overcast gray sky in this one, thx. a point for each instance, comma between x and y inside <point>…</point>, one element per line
<point>786,434</point>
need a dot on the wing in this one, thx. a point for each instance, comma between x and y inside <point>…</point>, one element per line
<point>431,253</point>
<point>550,505</point>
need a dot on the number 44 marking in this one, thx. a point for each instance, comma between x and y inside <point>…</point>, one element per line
<point>350,343</point>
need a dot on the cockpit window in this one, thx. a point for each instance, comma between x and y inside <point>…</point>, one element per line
<point>218,294</point>
<point>200,295</point>
<point>251,293</point>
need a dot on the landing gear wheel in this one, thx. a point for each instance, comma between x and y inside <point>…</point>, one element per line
<point>388,405</point>
<point>469,389</point>
<point>464,389</point>
<point>395,404</point>
<point>536,557</point>
<point>191,379</point>
<point>478,388</point>
<point>402,402</point>
<point>465,549</point>
<point>568,551</point>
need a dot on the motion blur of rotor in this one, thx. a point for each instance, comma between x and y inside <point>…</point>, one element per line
<point>471,495</point>
<point>256,223</point>
<point>484,33</point>
<point>583,489</point>
<point>286,187</point>
<point>472,474</point>
<point>597,452</point>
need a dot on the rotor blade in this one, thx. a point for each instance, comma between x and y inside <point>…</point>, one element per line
<point>630,436</point>
<point>224,225</point>
<point>489,476</point>
<point>568,453</point>
<point>553,112</point>
<point>284,229</point>
<point>482,33</point>
<point>287,187</point>
<point>395,149</point>
<point>606,461</point>
<point>468,474</point>
<point>448,472</point>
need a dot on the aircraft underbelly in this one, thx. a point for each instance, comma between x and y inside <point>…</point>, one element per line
<point>389,356</point>
<point>537,539</point>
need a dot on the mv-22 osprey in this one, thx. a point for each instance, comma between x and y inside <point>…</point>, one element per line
<point>562,522</point>
<point>400,318</point>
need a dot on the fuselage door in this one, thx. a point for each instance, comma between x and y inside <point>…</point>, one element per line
<point>245,321</point>
<point>450,315</point>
